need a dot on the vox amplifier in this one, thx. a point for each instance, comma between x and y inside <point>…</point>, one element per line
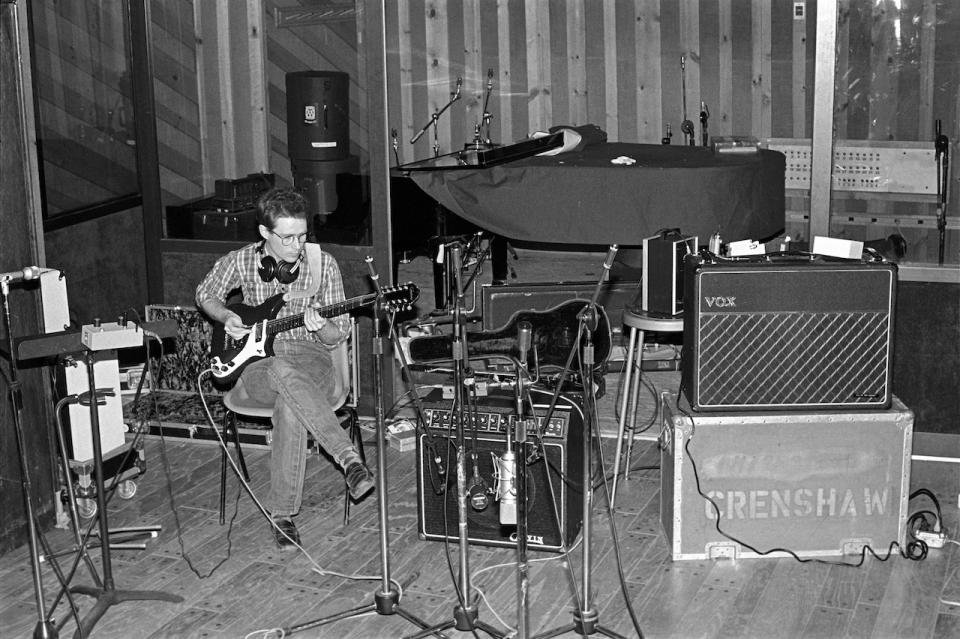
<point>788,333</point>
<point>554,479</point>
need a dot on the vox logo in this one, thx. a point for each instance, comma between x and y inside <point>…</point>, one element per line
<point>721,302</point>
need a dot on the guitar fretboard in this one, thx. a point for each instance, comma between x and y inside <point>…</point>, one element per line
<point>290,322</point>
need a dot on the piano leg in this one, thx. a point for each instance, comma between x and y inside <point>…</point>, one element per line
<point>498,259</point>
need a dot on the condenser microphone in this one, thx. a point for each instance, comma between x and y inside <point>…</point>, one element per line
<point>25,274</point>
<point>456,94</point>
<point>524,337</point>
<point>507,489</point>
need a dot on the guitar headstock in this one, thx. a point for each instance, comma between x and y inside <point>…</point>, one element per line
<point>400,297</point>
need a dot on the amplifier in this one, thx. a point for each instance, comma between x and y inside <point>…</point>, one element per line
<point>220,224</point>
<point>789,333</point>
<point>554,481</point>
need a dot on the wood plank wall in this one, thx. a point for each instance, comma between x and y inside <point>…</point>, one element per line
<point>616,64</point>
<point>220,70</point>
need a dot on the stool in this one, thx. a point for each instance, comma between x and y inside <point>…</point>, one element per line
<point>638,322</point>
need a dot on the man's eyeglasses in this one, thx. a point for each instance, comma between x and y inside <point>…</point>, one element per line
<point>287,240</point>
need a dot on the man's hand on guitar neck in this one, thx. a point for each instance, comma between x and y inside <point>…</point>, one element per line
<point>328,331</point>
<point>313,320</point>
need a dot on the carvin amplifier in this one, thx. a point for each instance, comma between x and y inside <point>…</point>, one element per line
<point>554,481</point>
<point>788,333</point>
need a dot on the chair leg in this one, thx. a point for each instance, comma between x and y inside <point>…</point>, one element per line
<point>229,432</point>
<point>236,443</point>
<point>223,466</point>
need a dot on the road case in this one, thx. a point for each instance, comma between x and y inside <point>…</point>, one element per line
<point>816,483</point>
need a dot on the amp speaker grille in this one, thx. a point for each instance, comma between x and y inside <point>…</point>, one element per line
<point>793,358</point>
<point>793,333</point>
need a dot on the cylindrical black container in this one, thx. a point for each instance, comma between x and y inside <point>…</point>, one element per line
<point>318,116</point>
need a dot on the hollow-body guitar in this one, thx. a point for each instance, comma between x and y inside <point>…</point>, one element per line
<point>554,332</point>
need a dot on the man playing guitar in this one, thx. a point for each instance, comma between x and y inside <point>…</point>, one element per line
<point>299,376</point>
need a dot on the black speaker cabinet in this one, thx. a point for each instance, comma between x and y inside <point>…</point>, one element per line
<point>553,516</point>
<point>318,116</point>
<point>795,333</point>
<point>501,302</point>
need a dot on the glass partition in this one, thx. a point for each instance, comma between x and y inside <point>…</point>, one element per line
<point>85,121</point>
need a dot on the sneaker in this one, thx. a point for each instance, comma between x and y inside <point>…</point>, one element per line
<point>359,479</point>
<point>285,533</point>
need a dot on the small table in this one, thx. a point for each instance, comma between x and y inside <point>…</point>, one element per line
<point>638,322</point>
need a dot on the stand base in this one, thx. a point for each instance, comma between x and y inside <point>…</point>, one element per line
<point>45,630</point>
<point>111,597</point>
<point>464,620</point>
<point>385,603</point>
<point>585,623</point>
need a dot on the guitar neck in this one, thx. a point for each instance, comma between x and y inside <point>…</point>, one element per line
<point>291,322</point>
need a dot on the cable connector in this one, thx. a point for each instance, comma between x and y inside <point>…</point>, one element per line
<point>932,539</point>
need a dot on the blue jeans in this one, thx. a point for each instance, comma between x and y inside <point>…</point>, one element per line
<point>298,380</point>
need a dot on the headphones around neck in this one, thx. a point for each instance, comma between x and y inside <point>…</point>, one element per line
<point>284,272</point>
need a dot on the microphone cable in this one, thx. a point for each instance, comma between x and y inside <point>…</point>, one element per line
<point>445,481</point>
<point>513,564</point>
<point>914,550</point>
<point>245,485</point>
<point>611,519</point>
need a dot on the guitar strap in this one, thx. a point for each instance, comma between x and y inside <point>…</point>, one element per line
<point>313,252</point>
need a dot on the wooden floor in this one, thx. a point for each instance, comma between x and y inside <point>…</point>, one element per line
<point>257,588</point>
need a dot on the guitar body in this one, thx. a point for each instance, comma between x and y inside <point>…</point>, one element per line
<point>230,356</point>
<point>554,332</point>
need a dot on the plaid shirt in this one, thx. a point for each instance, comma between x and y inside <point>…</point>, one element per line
<point>239,270</point>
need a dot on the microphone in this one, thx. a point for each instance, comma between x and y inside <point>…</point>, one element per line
<point>478,489</point>
<point>456,94</point>
<point>506,487</point>
<point>611,255</point>
<point>23,275</point>
<point>524,336</point>
<point>478,493</point>
<point>590,310</point>
<point>456,264</point>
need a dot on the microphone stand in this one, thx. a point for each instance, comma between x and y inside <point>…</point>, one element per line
<point>942,148</point>
<point>487,116</point>
<point>686,126</point>
<point>45,627</point>
<point>106,593</point>
<point>586,620</point>
<point>520,483</point>
<point>465,613</point>
<point>435,117</point>
<point>386,601</point>
<point>704,116</point>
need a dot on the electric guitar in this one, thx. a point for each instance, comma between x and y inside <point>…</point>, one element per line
<point>553,334</point>
<point>229,356</point>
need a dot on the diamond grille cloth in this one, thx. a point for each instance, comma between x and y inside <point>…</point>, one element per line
<point>789,358</point>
